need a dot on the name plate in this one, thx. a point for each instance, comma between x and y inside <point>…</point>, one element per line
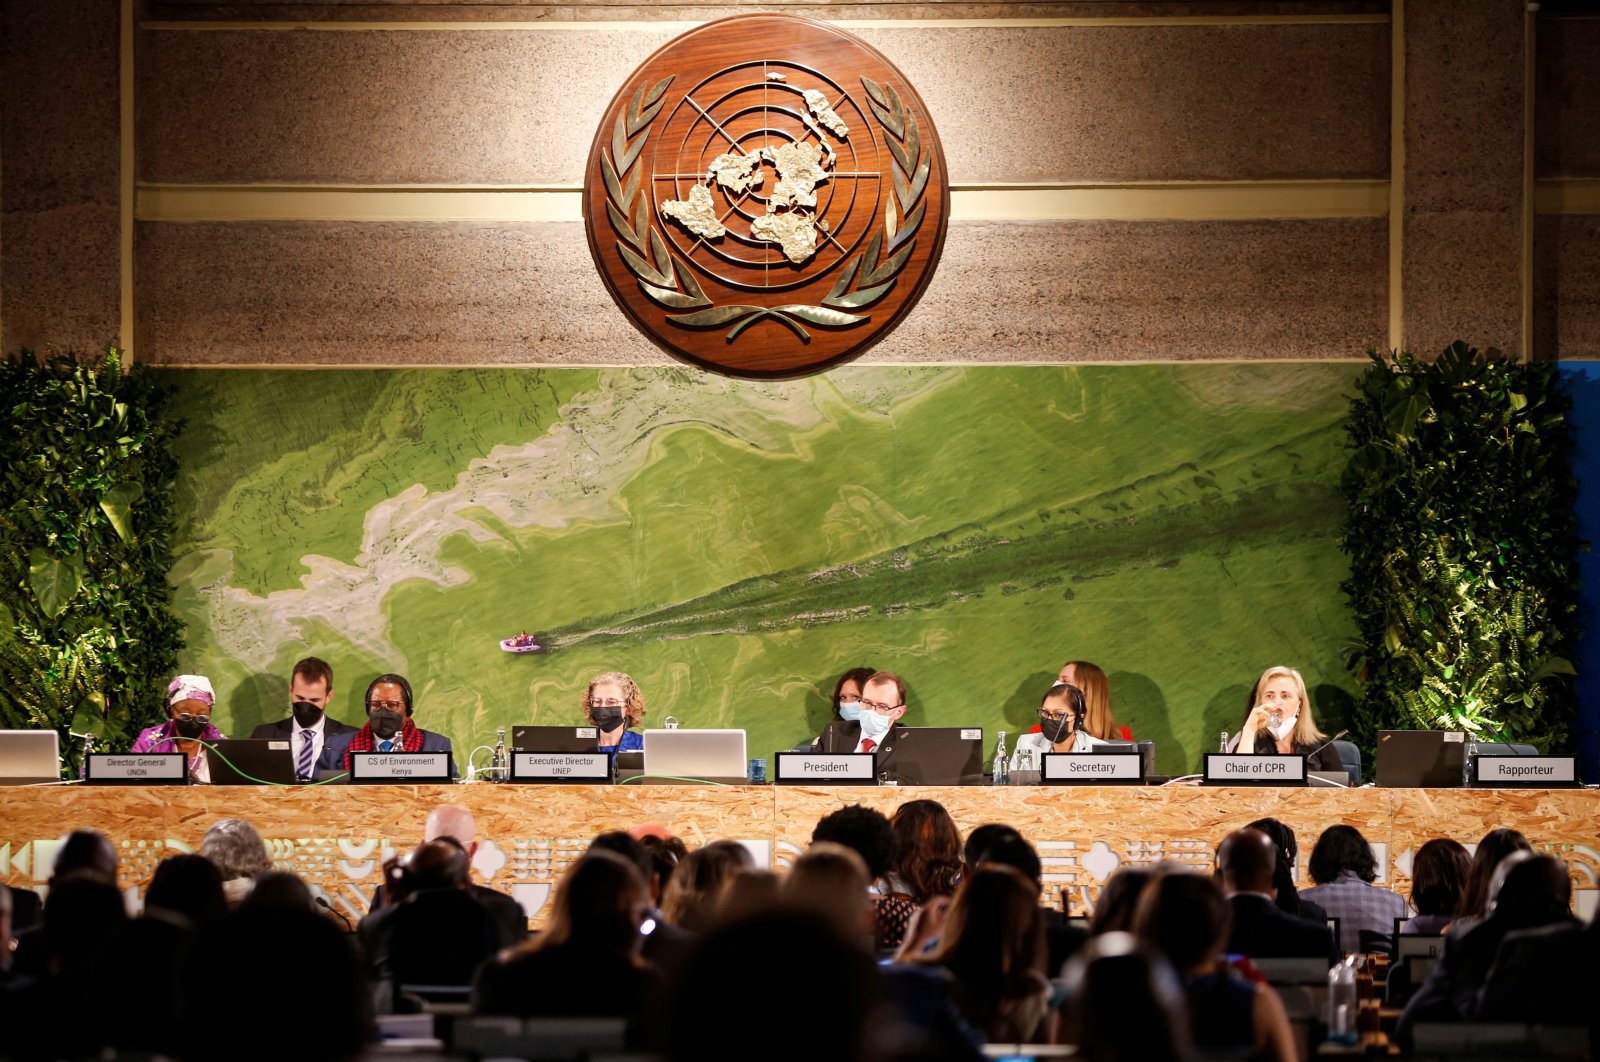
<point>137,768</point>
<point>1229,768</point>
<point>400,768</point>
<point>834,768</point>
<point>586,767</point>
<point>1536,771</point>
<point>1089,768</point>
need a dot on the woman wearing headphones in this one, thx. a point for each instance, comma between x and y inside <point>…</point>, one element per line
<point>1060,728</point>
<point>388,727</point>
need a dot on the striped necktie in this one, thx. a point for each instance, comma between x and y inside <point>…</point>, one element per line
<point>302,766</point>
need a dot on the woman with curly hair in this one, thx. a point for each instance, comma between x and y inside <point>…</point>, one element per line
<point>927,849</point>
<point>612,704</point>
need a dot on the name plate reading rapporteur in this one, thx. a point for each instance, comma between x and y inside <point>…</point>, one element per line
<point>400,768</point>
<point>831,768</point>
<point>584,767</point>
<point>1534,772</point>
<point>1082,768</point>
<point>137,768</point>
<point>1234,769</point>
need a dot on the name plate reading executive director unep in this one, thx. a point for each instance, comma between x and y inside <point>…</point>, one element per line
<point>588,768</point>
<point>1228,768</point>
<point>1084,768</point>
<point>833,768</point>
<point>137,768</point>
<point>400,768</point>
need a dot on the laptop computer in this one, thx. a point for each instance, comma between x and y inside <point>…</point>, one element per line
<point>939,755</point>
<point>1420,759</point>
<point>554,738</point>
<point>250,761</point>
<point>28,757</point>
<point>712,755</point>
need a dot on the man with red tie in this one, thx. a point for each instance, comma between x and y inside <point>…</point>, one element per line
<point>883,702</point>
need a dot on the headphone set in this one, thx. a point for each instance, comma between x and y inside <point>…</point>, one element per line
<point>398,680</point>
<point>1075,702</point>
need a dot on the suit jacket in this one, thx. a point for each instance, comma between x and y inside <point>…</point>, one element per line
<point>283,730</point>
<point>1547,975</point>
<point>1263,931</point>
<point>843,736</point>
<point>334,748</point>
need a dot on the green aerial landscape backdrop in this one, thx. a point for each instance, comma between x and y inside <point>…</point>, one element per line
<point>735,545</point>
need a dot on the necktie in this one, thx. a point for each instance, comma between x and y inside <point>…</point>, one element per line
<point>385,746</point>
<point>302,766</point>
<point>867,744</point>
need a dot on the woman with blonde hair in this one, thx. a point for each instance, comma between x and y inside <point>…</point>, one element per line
<point>612,704</point>
<point>1097,721</point>
<point>1280,722</point>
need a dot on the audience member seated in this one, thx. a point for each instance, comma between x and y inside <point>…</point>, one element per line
<point>1246,861</point>
<point>1280,693</point>
<point>1344,868</point>
<point>1123,1003</point>
<point>927,864</point>
<point>188,728</point>
<point>1185,917</point>
<point>239,854</point>
<point>1492,851</point>
<point>81,853</point>
<point>1549,975</point>
<point>1060,729</point>
<point>1119,899</point>
<point>1289,898</point>
<point>1439,873</point>
<point>586,962</point>
<point>1528,892</point>
<point>189,888</point>
<point>612,704</point>
<point>1091,679</point>
<point>868,833</point>
<point>281,889</point>
<point>991,945</point>
<point>665,945</point>
<point>389,726</point>
<point>666,852</point>
<point>693,900</point>
<point>1062,938</point>
<point>831,880</point>
<point>456,822</point>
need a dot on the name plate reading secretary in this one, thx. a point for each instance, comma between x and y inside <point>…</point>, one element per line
<point>400,768</point>
<point>1101,767</point>
<point>1226,768</point>
<point>137,768</point>
<point>586,767</point>
<point>1540,772</point>
<point>834,768</point>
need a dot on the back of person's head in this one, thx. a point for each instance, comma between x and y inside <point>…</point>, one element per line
<point>85,852</point>
<point>187,885</point>
<point>451,820</point>
<point>599,905</point>
<point>982,838</point>
<point>438,864</point>
<point>864,829</point>
<point>1185,917</point>
<point>1439,877</point>
<point>831,880</point>
<point>665,855</point>
<point>1495,846</point>
<point>1013,850</point>
<point>620,842</point>
<point>927,848</point>
<point>991,939</point>
<point>749,892</point>
<point>1119,897</point>
<point>1247,860</point>
<point>1342,848</point>
<point>695,895</point>
<point>236,848</point>
<point>82,911</point>
<point>258,953</point>
<point>280,888</point>
<point>1288,856</point>
<point>1123,1003</point>
<point>1530,890</point>
<point>819,988</point>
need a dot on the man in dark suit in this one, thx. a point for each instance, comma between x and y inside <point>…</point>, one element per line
<point>308,727</point>
<point>456,822</point>
<point>883,702</point>
<point>1545,976</point>
<point>1261,930</point>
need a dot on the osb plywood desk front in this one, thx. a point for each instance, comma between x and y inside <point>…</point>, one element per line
<point>336,836</point>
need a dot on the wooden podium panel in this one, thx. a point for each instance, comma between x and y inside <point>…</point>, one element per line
<point>335,837</point>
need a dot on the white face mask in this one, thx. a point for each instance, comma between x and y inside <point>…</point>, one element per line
<point>1283,729</point>
<point>874,724</point>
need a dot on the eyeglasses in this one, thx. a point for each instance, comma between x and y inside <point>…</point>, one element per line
<point>1046,717</point>
<point>874,706</point>
<point>392,706</point>
<point>607,704</point>
<point>191,718</point>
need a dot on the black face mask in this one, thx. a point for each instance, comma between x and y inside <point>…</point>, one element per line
<point>191,727</point>
<point>306,713</point>
<point>1054,730</point>
<point>607,719</point>
<point>386,724</point>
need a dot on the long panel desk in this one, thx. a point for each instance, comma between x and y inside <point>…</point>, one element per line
<point>335,837</point>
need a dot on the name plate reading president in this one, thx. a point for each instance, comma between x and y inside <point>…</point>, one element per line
<point>1537,772</point>
<point>833,768</point>
<point>399,768</point>
<point>137,768</point>
<point>588,767</point>
<point>1085,768</point>
<point>1233,769</point>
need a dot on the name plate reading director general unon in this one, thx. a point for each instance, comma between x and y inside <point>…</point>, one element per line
<point>399,768</point>
<point>832,768</point>
<point>1234,769</point>
<point>137,768</point>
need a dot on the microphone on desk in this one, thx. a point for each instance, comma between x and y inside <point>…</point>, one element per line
<point>322,901</point>
<point>1325,744</point>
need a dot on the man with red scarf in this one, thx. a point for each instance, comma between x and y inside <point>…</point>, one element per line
<point>388,728</point>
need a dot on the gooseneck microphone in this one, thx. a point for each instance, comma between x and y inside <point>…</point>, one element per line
<point>322,902</point>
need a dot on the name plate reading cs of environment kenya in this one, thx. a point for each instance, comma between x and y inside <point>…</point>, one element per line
<point>399,768</point>
<point>1083,768</point>
<point>561,767</point>
<point>137,768</point>
<point>1537,772</point>
<point>1234,769</point>
<point>834,768</point>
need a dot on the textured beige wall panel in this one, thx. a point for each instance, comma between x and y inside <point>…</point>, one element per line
<point>288,293</point>
<point>59,148</point>
<point>1567,287</point>
<point>1463,280</point>
<point>521,106</point>
<point>597,10</point>
<point>1567,123</point>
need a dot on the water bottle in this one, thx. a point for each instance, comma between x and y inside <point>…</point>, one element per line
<point>1466,761</point>
<point>1000,767</point>
<point>1025,760</point>
<point>1343,1006</point>
<point>500,771</point>
<point>1222,746</point>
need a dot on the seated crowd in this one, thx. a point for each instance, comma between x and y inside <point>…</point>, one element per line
<point>887,938</point>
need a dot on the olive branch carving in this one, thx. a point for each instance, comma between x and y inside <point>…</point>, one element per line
<point>670,282</point>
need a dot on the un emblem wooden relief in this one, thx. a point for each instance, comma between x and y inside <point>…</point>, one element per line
<point>766,196</point>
